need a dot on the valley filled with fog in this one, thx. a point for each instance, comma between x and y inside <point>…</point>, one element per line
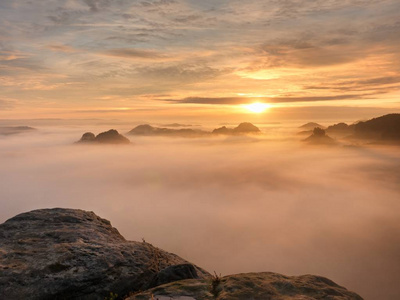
<point>231,204</point>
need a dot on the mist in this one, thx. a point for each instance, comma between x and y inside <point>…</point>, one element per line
<point>227,204</point>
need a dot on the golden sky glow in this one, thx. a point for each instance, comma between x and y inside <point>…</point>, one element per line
<point>257,107</point>
<point>93,57</point>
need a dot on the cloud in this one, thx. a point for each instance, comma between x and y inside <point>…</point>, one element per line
<point>187,18</point>
<point>97,5</point>
<point>248,100</point>
<point>136,54</point>
<point>182,72</point>
<point>61,48</point>
<point>157,3</point>
<point>22,65</point>
<point>6,104</point>
<point>376,81</point>
<point>308,50</point>
<point>116,110</point>
<point>11,55</point>
<point>177,47</point>
<point>373,85</point>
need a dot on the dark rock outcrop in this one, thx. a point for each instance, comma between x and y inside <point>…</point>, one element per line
<point>88,137</point>
<point>109,137</point>
<point>144,129</point>
<point>340,129</point>
<point>384,128</point>
<point>256,286</point>
<point>242,128</point>
<point>319,137</point>
<point>148,130</point>
<point>175,273</point>
<point>74,254</point>
<point>311,126</point>
<point>245,128</point>
<point>223,130</point>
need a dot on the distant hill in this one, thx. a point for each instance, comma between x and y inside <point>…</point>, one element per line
<point>319,137</point>
<point>381,129</point>
<point>177,125</point>
<point>9,130</point>
<point>223,130</point>
<point>242,128</point>
<point>148,130</point>
<point>384,128</point>
<point>109,137</point>
<point>311,126</point>
<point>340,129</point>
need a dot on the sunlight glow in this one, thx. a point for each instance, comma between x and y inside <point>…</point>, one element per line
<point>257,107</point>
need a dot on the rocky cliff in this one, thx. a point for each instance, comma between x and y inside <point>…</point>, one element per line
<point>74,254</point>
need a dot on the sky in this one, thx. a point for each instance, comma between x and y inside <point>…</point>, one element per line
<point>199,59</point>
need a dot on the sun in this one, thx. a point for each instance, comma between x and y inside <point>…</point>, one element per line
<point>257,107</point>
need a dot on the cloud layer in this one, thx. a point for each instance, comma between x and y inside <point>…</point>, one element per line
<point>70,53</point>
<point>228,204</point>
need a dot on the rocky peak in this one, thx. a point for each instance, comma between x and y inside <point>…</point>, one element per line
<point>246,127</point>
<point>74,254</point>
<point>62,225</point>
<point>108,137</point>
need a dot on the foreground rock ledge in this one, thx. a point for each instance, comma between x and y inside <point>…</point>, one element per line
<point>254,286</point>
<point>74,254</point>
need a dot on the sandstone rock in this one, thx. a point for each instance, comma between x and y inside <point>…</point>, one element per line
<point>242,128</point>
<point>319,137</point>
<point>74,254</point>
<point>245,128</point>
<point>222,130</point>
<point>88,137</point>
<point>175,273</point>
<point>148,130</point>
<point>340,130</point>
<point>311,126</point>
<point>144,129</point>
<point>109,137</point>
<point>255,286</point>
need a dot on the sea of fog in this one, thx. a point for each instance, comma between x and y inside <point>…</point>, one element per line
<point>229,204</point>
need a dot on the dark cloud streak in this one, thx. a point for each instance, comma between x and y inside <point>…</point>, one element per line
<point>248,100</point>
<point>135,53</point>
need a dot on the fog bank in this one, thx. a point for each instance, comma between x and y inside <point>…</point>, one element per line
<point>229,204</point>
